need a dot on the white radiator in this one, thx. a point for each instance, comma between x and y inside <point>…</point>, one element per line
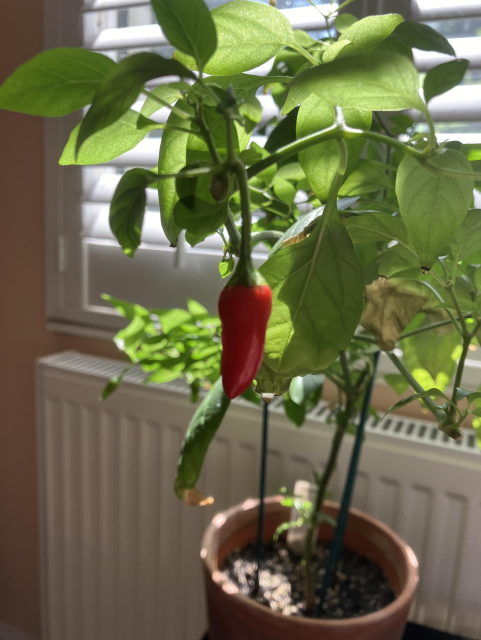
<point>120,553</point>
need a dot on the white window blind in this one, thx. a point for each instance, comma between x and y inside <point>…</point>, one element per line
<point>84,259</point>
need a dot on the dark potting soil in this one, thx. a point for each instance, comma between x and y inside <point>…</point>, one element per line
<point>359,587</point>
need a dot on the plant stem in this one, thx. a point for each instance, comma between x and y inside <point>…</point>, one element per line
<point>427,327</point>
<point>333,132</point>
<point>163,103</point>
<point>462,321</point>
<point>233,231</point>
<point>305,53</point>
<point>207,135</point>
<point>429,402</point>
<point>266,235</point>
<point>311,526</point>
<point>189,173</point>
<point>459,375</point>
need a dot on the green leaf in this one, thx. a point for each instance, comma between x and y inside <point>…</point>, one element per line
<point>196,210</point>
<point>368,177</point>
<point>316,287</point>
<point>421,36</point>
<point>444,77</point>
<point>169,93</point>
<point>285,526</point>
<point>363,36</point>
<point>320,162</point>
<point>367,82</point>
<point>284,190</point>
<point>172,318</point>
<point>244,85</point>
<point>344,21</point>
<point>179,149</point>
<point>196,309</point>
<point>248,34</point>
<point>430,393</point>
<point>202,429</point>
<point>467,239</point>
<point>105,145</point>
<point>433,206</point>
<point>301,223</point>
<point>127,208</point>
<point>55,83</point>
<point>121,88</point>
<point>397,382</point>
<point>375,227</point>
<point>294,411</point>
<point>188,26</point>
<point>283,133</point>
<point>112,385</point>
<point>126,309</point>
<point>399,261</point>
<point>226,266</point>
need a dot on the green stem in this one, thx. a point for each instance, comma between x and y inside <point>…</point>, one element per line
<point>266,235</point>
<point>462,321</point>
<point>331,133</point>
<point>233,231</point>
<point>429,402</point>
<point>163,103</point>
<point>311,526</point>
<point>304,53</point>
<point>428,327</point>
<point>207,135</point>
<point>459,376</point>
<point>189,173</point>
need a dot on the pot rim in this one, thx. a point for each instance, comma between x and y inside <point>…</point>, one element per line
<point>251,504</point>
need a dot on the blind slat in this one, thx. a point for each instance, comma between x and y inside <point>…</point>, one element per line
<point>424,10</point>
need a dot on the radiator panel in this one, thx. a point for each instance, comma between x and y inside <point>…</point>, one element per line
<point>120,553</point>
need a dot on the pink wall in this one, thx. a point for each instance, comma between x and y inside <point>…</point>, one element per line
<point>23,337</point>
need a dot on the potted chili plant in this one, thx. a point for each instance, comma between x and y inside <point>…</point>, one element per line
<point>373,243</point>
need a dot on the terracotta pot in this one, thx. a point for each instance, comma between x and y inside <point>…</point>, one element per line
<point>233,616</point>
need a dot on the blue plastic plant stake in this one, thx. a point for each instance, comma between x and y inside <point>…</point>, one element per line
<point>262,490</point>
<point>338,540</point>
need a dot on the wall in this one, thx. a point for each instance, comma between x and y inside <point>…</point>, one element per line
<point>23,336</point>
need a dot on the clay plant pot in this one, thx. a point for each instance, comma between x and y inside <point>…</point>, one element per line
<point>233,616</point>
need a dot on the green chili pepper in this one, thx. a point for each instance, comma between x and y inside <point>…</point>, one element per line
<point>202,429</point>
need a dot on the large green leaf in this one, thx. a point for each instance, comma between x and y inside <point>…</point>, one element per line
<point>433,206</point>
<point>467,239</point>
<point>202,429</point>
<point>368,82</point>
<point>55,83</point>
<point>444,77</point>
<point>248,34</point>
<point>374,227</point>
<point>127,208</point>
<point>362,37</point>
<point>121,88</point>
<point>317,302</point>
<point>188,26</point>
<point>422,36</point>
<point>321,161</point>
<point>107,144</point>
<point>400,261</point>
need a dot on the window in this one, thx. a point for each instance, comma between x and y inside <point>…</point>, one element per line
<point>83,259</point>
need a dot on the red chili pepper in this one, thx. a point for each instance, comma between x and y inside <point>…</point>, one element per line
<point>244,312</point>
